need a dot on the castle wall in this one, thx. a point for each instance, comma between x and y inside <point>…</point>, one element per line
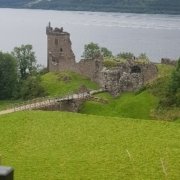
<point>168,61</point>
<point>67,105</point>
<point>129,76</point>
<point>90,68</point>
<point>149,71</point>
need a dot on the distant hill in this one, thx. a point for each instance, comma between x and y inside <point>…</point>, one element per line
<point>130,6</point>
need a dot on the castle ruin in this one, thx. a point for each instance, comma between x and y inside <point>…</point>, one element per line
<point>61,57</point>
<point>127,76</point>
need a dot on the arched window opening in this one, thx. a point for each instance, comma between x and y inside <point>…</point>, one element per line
<point>135,69</point>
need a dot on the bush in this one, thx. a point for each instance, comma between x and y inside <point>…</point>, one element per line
<point>8,76</point>
<point>172,95</point>
<point>31,88</point>
<point>91,51</point>
<point>125,55</point>
<point>110,63</point>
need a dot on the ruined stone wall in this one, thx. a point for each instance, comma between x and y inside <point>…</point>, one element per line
<point>129,76</point>
<point>168,61</point>
<point>90,68</point>
<point>67,105</point>
<point>149,71</point>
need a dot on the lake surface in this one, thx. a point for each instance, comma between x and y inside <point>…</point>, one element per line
<point>156,35</point>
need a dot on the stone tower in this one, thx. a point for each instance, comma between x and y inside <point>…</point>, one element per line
<point>60,56</point>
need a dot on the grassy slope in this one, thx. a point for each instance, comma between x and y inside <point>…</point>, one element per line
<point>60,84</point>
<point>54,145</point>
<point>126,105</point>
<point>164,70</point>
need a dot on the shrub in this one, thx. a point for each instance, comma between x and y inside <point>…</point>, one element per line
<point>110,63</point>
<point>31,88</point>
<point>125,55</point>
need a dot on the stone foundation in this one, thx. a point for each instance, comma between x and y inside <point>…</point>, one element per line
<point>67,105</point>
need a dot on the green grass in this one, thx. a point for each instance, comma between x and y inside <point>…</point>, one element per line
<point>55,145</point>
<point>62,83</point>
<point>126,105</point>
<point>164,70</point>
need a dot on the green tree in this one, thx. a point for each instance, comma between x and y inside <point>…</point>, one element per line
<point>26,60</point>
<point>8,75</point>
<point>174,86</point>
<point>31,88</point>
<point>143,56</point>
<point>125,55</point>
<point>91,51</point>
<point>172,95</point>
<point>106,52</point>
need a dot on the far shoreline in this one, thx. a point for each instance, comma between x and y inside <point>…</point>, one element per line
<point>93,11</point>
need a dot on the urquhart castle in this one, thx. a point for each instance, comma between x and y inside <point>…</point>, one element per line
<point>127,76</point>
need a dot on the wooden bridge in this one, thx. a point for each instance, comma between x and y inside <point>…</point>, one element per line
<point>46,102</point>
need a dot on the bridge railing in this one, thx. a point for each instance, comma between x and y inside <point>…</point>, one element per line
<point>46,101</point>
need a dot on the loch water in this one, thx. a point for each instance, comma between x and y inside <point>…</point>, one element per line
<point>154,34</point>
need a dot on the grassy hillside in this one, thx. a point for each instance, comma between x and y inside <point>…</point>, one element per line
<point>136,6</point>
<point>164,70</point>
<point>126,105</point>
<point>54,145</point>
<point>136,105</point>
<point>62,83</point>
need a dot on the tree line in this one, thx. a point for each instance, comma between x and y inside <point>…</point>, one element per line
<point>19,74</point>
<point>93,50</point>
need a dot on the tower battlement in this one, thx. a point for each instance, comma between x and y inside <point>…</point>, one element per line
<point>55,31</point>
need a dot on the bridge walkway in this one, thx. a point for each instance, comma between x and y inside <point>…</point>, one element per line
<point>50,101</point>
